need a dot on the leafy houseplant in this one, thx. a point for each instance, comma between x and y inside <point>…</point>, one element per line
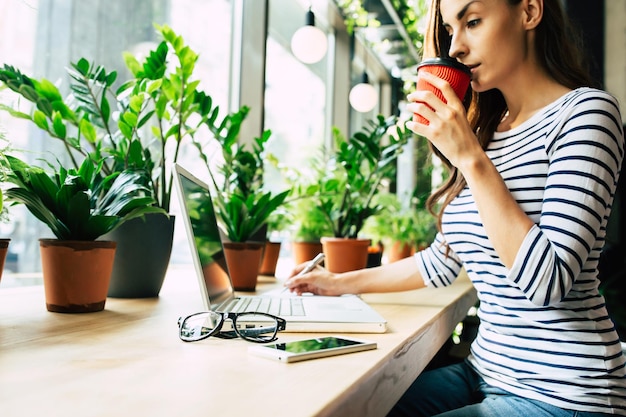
<point>308,227</point>
<point>403,229</point>
<point>162,110</point>
<point>355,175</point>
<point>243,205</point>
<point>140,126</point>
<point>79,206</point>
<point>305,222</point>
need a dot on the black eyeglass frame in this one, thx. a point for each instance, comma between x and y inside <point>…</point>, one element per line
<point>281,324</point>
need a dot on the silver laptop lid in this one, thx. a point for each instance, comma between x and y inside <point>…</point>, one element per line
<point>203,235</point>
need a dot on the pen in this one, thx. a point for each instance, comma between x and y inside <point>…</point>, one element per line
<point>309,267</point>
<point>312,264</point>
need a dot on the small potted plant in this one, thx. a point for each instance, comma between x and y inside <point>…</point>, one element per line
<point>309,226</point>
<point>355,173</point>
<point>403,227</point>
<point>242,203</point>
<point>79,206</point>
<point>305,223</point>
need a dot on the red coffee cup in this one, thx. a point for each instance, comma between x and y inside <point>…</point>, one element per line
<point>451,70</point>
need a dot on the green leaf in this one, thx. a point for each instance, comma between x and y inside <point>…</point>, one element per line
<point>45,106</point>
<point>88,131</point>
<point>110,78</point>
<point>130,119</point>
<point>49,90</point>
<point>59,126</point>
<point>82,66</point>
<point>154,86</point>
<point>29,93</point>
<point>126,130</point>
<point>105,108</point>
<point>135,103</point>
<point>132,64</point>
<point>40,120</point>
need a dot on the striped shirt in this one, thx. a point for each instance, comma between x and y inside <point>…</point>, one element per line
<point>544,330</point>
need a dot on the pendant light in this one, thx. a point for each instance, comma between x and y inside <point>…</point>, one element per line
<point>363,96</point>
<point>309,43</point>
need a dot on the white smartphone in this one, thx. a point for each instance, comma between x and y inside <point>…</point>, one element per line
<point>300,350</point>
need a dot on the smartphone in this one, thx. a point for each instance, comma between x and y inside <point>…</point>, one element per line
<point>300,350</point>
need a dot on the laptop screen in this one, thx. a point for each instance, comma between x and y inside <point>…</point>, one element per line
<point>204,236</point>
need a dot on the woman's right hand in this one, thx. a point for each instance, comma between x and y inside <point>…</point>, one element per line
<point>319,281</point>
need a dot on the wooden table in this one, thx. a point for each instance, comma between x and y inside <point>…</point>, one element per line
<point>128,361</point>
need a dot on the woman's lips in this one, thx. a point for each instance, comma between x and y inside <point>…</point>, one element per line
<point>472,69</point>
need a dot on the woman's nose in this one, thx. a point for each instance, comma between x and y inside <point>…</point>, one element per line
<point>457,47</point>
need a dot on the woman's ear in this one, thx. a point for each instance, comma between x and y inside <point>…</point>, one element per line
<point>533,13</point>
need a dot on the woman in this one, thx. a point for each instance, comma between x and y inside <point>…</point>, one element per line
<point>534,165</point>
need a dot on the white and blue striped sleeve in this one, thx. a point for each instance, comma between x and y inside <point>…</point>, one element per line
<point>584,162</point>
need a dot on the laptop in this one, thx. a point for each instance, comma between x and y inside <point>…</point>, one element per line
<point>305,313</point>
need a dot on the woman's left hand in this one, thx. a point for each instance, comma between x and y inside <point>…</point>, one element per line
<point>448,129</point>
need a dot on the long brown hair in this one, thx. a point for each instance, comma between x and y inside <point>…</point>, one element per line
<point>558,49</point>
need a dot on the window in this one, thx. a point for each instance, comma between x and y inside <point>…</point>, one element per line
<point>295,94</point>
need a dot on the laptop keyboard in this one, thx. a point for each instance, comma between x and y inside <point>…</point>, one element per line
<point>278,306</point>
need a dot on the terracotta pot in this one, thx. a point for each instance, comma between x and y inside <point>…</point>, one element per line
<point>76,274</point>
<point>305,251</point>
<point>243,260</point>
<point>4,249</point>
<point>344,254</point>
<point>399,251</point>
<point>270,258</point>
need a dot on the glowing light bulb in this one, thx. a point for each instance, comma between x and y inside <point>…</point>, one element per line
<point>309,43</point>
<point>363,96</point>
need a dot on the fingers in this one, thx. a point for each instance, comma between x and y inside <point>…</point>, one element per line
<point>423,113</point>
<point>298,269</point>
<point>436,105</point>
<point>296,281</point>
<point>439,95</point>
<point>311,282</point>
<point>440,84</point>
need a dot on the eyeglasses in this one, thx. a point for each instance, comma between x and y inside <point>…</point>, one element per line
<point>251,326</point>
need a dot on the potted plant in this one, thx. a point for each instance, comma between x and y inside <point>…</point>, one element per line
<point>309,226</point>
<point>140,126</point>
<point>242,203</point>
<point>402,227</point>
<point>303,220</point>
<point>346,193</point>
<point>162,108</point>
<point>79,206</point>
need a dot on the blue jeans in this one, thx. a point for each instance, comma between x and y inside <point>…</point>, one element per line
<point>458,391</point>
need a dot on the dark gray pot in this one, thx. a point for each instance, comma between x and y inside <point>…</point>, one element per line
<point>143,254</point>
